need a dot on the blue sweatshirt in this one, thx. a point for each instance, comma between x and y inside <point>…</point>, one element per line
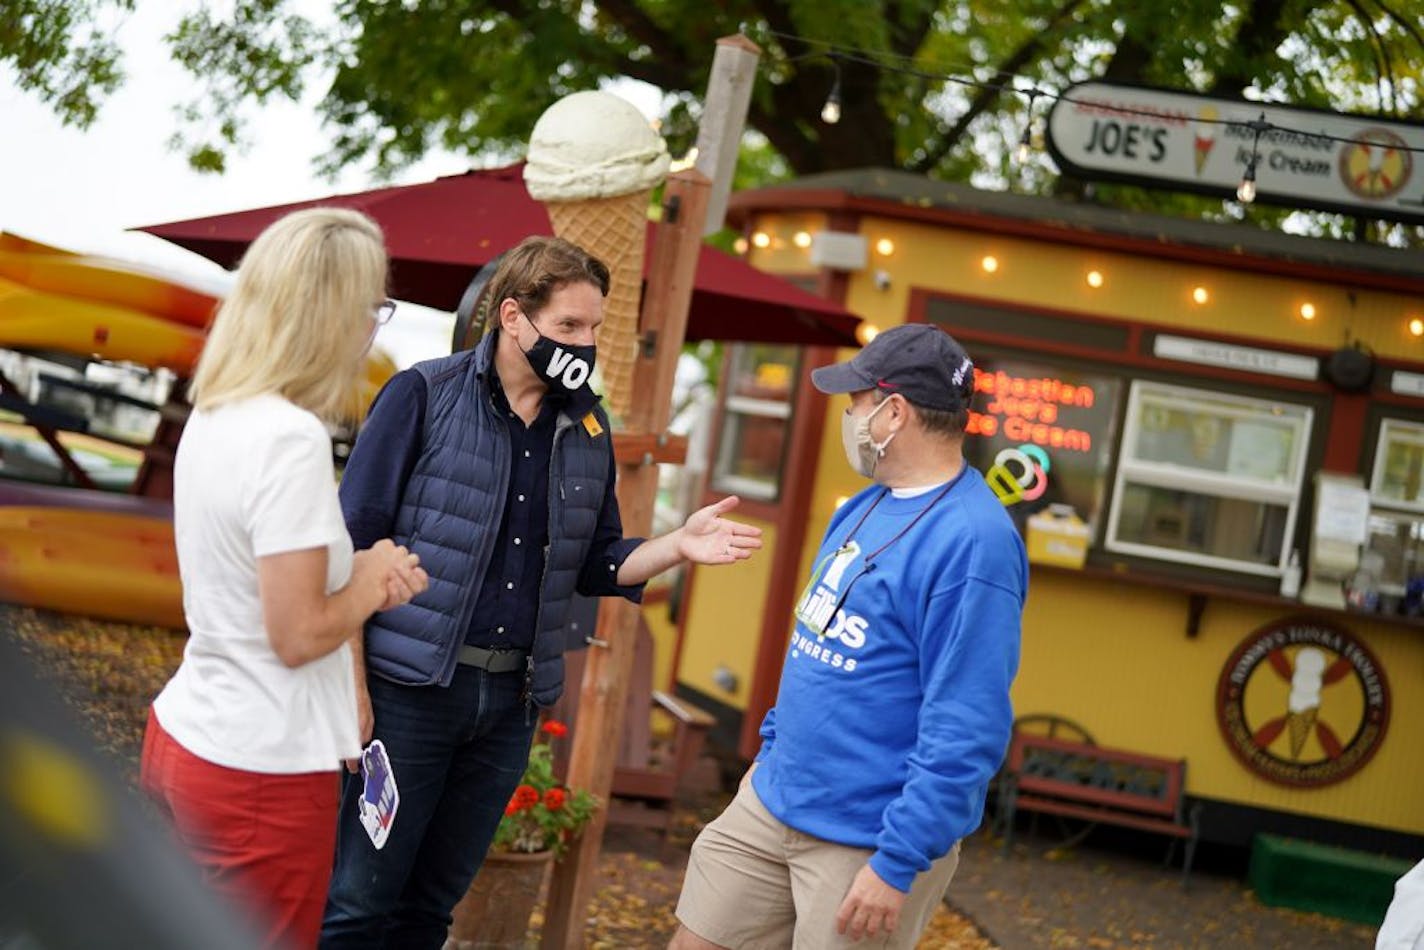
<point>888,727</point>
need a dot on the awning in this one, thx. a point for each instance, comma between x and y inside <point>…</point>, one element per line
<point>439,233</point>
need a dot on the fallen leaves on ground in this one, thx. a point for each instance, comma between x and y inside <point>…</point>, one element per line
<point>1035,896</point>
<point>108,672</point>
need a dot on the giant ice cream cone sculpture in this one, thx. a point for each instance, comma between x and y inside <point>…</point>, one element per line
<point>1304,704</point>
<point>593,162</point>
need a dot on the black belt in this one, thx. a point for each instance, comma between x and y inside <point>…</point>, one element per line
<point>493,661</point>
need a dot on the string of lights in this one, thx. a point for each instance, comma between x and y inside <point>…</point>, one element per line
<point>1012,83</point>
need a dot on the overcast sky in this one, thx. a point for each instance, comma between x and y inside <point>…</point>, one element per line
<point>82,189</point>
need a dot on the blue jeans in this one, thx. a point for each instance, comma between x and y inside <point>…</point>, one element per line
<point>458,753</point>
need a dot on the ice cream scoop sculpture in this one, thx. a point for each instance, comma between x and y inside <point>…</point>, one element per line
<point>593,161</point>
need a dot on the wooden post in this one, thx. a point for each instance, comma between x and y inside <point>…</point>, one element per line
<point>724,115</point>
<point>605,678</point>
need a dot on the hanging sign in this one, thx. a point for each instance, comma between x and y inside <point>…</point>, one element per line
<point>1247,358</point>
<point>1199,143</point>
<point>1302,702</point>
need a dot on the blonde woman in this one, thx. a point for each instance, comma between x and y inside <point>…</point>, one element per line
<point>245,742</point>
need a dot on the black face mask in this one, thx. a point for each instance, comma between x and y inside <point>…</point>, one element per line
<point>564,367</point>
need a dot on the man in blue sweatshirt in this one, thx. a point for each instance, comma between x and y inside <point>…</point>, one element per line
<point>893,712</point>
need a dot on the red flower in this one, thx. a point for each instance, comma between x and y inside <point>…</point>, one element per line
<point>512,808</point>
<point>525,796</point>
<point>554,799</point>
<point>555,728</point>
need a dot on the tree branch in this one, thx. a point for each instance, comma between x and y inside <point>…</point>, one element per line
<point>908,40</point>
<point>1259,34</point>
<point>654,72</point>
<point>639,25</point>
<point>985,97</point>
<point>1384,68</point>
<point>865,135</point>
<point>1409,27</point>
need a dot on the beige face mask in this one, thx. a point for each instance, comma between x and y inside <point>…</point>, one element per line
<point>862,452</point>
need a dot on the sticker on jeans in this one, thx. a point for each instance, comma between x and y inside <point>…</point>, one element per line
<point>379,796</point>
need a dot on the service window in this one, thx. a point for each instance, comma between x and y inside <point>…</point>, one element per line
<point>756,422</point>
<point>1043,434</point>
<point>1398,477</point>
<point>1394,550</point>
<point>1209,478</point>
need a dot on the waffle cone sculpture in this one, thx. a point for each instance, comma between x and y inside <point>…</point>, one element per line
<point>594,161</point>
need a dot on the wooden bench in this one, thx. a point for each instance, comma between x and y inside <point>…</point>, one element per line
<point>1097,784</point>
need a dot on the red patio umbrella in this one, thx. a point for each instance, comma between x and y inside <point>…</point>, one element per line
<point>441,232</point>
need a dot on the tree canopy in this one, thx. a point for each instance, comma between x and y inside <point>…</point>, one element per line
<point>402,78</point>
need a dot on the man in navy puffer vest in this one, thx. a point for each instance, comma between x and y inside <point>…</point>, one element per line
<point>496,467</point>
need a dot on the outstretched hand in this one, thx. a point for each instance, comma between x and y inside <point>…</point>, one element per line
<point>709,538</point>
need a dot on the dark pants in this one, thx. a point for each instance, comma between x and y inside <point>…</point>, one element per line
<point>458,753</point>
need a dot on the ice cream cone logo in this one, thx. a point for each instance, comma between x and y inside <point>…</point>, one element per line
<point>1376,165</point>
<point>1204,136</point>
<point>1302,702</point>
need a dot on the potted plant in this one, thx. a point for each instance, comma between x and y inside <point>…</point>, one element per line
<point>542,817</point>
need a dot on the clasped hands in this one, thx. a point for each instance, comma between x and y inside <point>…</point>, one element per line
<point>397,569</point>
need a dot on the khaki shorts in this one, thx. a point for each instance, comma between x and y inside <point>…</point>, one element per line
<point>754,884</point>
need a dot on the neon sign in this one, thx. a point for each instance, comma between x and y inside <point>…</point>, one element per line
<point>1027,410</point>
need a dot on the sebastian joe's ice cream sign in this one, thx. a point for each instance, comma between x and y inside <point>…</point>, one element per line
<point>1198,143</point>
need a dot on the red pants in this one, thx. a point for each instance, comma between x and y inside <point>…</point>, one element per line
<point>266,842</point>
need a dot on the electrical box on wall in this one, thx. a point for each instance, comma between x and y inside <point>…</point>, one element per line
<point>839,250</point>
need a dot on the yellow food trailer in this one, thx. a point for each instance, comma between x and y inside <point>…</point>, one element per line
<point>1177,413</point>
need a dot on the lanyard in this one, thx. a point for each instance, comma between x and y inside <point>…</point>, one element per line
<point>869,558</point>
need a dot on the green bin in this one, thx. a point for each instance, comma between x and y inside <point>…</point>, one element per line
<point>1353,885</point>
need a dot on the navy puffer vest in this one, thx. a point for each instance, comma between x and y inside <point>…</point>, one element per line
<point>450,516</point>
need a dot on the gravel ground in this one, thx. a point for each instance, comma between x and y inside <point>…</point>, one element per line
<point>1033,896</point>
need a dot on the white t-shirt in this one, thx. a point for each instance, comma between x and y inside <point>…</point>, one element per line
<point>254,478</point>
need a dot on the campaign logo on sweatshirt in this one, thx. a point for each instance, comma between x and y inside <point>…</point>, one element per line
<point>819,610</point>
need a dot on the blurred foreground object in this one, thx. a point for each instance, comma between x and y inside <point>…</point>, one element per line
<point>82,863</point>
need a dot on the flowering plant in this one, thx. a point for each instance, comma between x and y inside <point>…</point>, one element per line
<point>543,814</point>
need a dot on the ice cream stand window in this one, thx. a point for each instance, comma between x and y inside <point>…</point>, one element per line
<point>1391,563</point>
<point>757,413</point>
<point>1209,478</point>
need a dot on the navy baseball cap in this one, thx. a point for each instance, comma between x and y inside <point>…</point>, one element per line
<point>919,361</point>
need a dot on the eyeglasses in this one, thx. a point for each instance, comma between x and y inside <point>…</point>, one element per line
<point>383,312</point>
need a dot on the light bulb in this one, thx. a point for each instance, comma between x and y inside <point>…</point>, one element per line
<point>761,239</point>
<point>1246,191</point>
<point>801,239</point>
<point>831,111</point>
<point>1307,311</point>
<point>1416,327</point>
<point>1095,278</point>
<point>990,263</point>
